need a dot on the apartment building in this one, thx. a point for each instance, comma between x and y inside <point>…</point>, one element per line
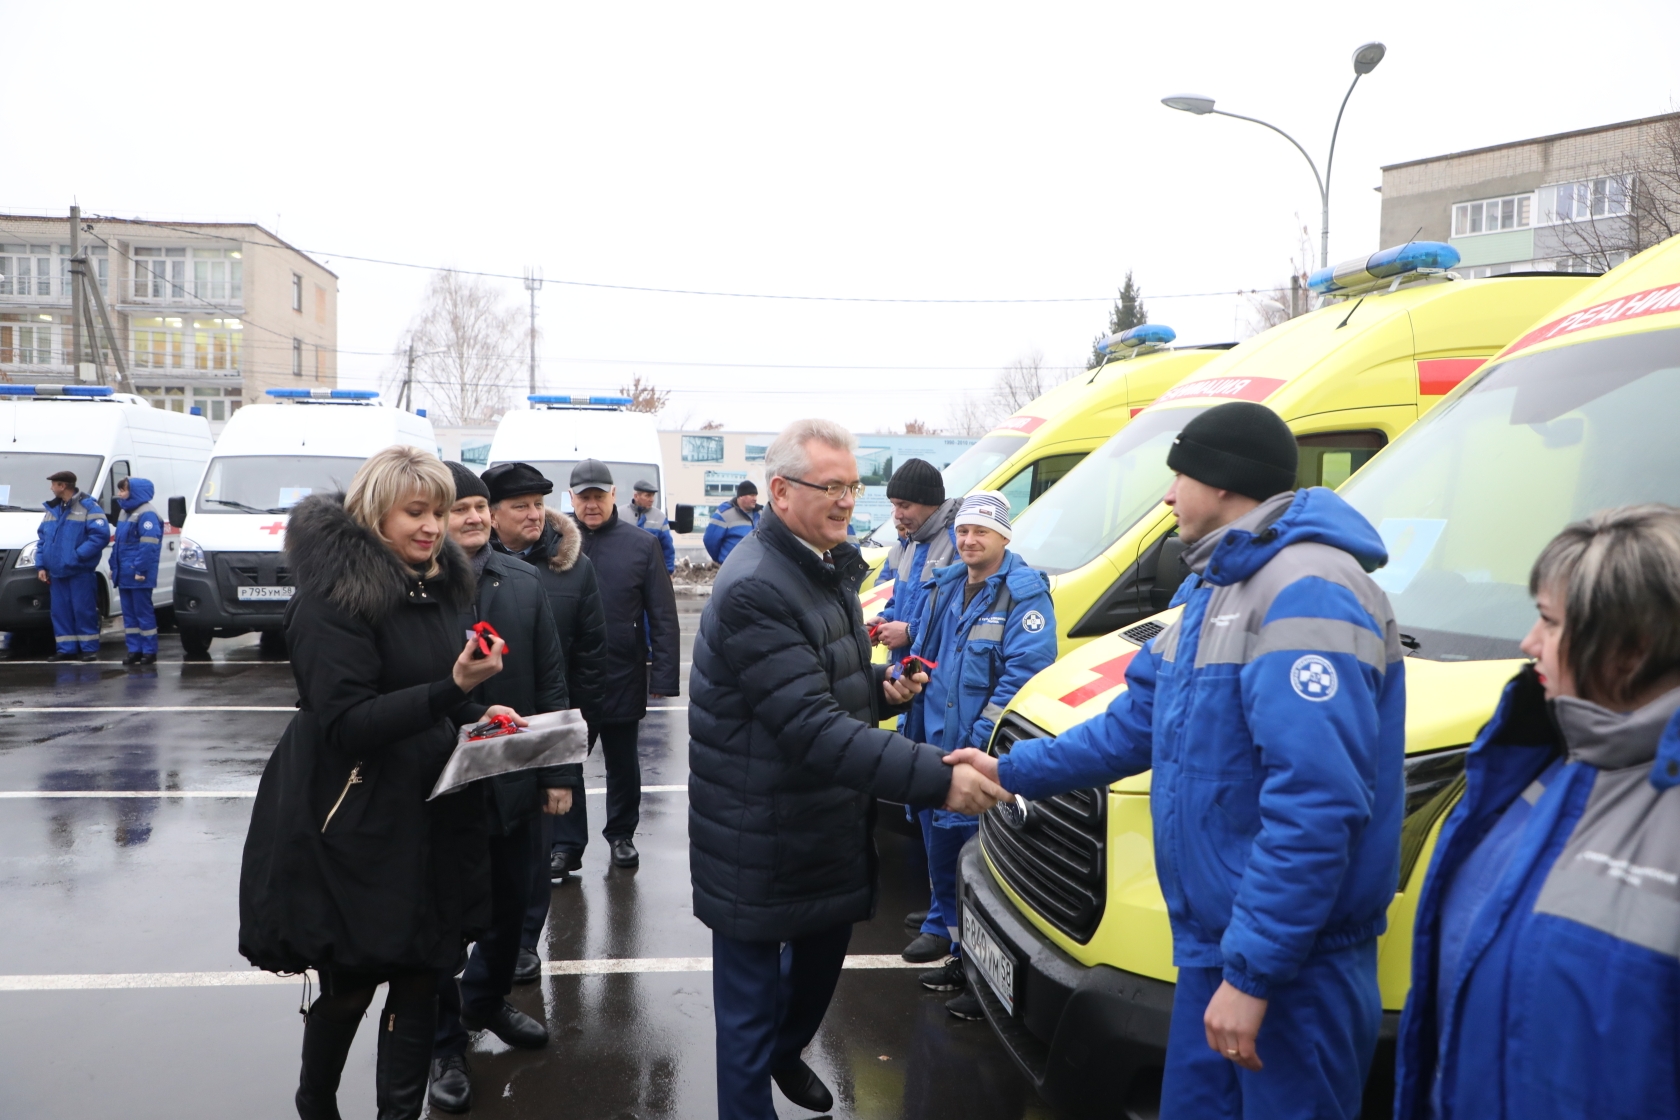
<point>1573,201</point>
<point>208,314</point>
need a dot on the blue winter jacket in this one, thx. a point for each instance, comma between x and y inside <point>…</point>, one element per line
<point>655,522</point>
<point>72,536</point>
<point>983,655</point>
<point>138,539</point>
<point>914,560</point>
<point>1273,715</point>
<point>728,527</point>
<point>1566,999</point>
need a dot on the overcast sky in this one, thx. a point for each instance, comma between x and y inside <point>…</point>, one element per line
<point>907,151</point>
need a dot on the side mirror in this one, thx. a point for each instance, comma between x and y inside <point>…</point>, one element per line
<point>177,511</point>
<point>1143,589</point>
<point>683,522</point>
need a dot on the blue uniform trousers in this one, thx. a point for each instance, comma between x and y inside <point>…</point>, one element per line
<point>75,612</point>
<point>944,847</point>
<point>139,620</point>
<point>768,998</point>
<point>1316,1044</point>
<point>489,973</point>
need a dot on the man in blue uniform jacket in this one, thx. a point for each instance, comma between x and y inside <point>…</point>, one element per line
<point>1272,713</point>
<point>135,547</point>
<point>68,545</point>
<point>643,514</point>
<point>988,625</point>
<point>732,521</point>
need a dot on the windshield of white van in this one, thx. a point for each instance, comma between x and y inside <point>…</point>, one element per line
<point>271,483</point>
<point>970,468</point>
<point>1105,495</point>
<point>1467,498</point>
<point>625,476</point>
<point>23,477</point>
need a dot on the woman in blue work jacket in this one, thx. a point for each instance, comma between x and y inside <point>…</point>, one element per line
<point>135,548</point>
<point>1546,959</point>
<point>988,625</point>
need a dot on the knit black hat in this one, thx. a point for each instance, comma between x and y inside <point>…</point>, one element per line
<point>919,481</point>
<point>745,486</point>
<point>1241,446</point>
<point>467,484</point>
<point>510,480</point>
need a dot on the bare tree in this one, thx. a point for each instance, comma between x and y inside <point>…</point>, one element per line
<point>712,426</point>
<point>644,398</point>
<point>1019,384</point>
<point>466,347</point>
<point>919,428</point>
<point>1625,211</point>
<point>1284,301</point>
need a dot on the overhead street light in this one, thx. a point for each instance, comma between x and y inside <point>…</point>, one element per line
<point>1365,60</point>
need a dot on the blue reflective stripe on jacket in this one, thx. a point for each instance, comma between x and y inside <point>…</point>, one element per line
<point>1566,999</point>
<point>137,539</point>
<point>728,527</point>
<point>655,522</point>
<point>1273,715</point>
<point>909,597</point>
<point>72,536</point>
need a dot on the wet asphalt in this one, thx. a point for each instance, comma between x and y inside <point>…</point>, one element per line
<point>106,900</point>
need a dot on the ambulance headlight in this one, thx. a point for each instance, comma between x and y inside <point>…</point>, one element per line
<point>191,555</point>
<point>26,556</point>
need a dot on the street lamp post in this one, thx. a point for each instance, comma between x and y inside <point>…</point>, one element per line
<point>1365,60</point>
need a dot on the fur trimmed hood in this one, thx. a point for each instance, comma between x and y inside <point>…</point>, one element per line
<point>570,543</point>
<point>334,557</point>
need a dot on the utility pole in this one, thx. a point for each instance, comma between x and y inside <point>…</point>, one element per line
<point>75,292</point>
<point>533,281</point>
<point>85,299</point>
<point>408,379</point>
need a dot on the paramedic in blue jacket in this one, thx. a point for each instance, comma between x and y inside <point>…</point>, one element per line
<point>1546,964</point>
<point>643,514</point>
<point>1272,713</point>
<point>136,545</point>
<point>988,625</point>
<point>732,521</point>
<point>68,545</point>
<point>926,541</point>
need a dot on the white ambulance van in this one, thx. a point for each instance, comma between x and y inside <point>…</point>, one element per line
<point>559,430</point>
<point>104,437</point>
<point>231,577</point>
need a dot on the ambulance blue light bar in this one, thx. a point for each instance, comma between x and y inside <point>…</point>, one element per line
<point>1365,272</point>
<point>569,400</point>
<point>1144,334</point>
<point>55,391</point>
<point>324,394</point>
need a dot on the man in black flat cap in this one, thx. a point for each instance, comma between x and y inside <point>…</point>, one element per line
<point>641,613</point>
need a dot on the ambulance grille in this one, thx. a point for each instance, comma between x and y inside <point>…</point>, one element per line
<point>1142,632</point>
<point>1055,862</point>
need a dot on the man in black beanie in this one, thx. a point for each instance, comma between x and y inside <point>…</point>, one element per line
<point>922,515</point>
<point>1271,714</point>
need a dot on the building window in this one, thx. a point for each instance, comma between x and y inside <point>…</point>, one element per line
<point>207,345</point>
<point>1589,198</point>
<point>26,270</point>
<point>721,484</point>
<point>297,292</point>
<point>297,357</point>
<point>160,273</point>
<point>218,275</point>
<point>27,340</point>
<point>1493,214</point>
<point>755,452</point>
<point>702,449</point>
<point>159,343</point>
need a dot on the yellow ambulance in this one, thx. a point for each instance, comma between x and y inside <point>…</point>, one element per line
<point>1575,415</point>
<point>1348,378</point>
<point>1030,451</point>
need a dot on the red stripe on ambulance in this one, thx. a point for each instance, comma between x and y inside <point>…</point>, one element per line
<point>1652,301</point>
<point>1439,376</point>
<point>1110,674</point>
<point>1236,388</point>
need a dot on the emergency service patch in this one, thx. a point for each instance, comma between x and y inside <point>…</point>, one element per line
<point>1032,622</point>
<point>1314,678</point>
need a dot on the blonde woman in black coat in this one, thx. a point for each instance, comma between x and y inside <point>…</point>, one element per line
<point>348,869</point>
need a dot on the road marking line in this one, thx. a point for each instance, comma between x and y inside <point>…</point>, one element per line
<point>251,978</point>
<point>154,794</point>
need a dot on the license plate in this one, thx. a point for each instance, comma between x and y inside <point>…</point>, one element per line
<point>265,594</point>
<point>985,949</point>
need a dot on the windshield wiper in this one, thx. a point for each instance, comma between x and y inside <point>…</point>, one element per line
<point>15,509</point>
<point>242,506</point>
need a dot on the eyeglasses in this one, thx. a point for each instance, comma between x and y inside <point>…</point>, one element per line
<point>834,490</point>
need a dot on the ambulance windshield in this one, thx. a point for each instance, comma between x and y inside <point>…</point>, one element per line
<point>1105,495</point>
<point>970,468</point>
<point>271,483</point>
<point>23,477</point>
<point>1469,496</point>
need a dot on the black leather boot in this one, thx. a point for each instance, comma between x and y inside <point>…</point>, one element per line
<point>325,1046</point>
<point>405,1062</point>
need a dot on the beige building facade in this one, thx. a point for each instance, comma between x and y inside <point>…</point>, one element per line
<point>1574,201</point>
<point>208,315</point>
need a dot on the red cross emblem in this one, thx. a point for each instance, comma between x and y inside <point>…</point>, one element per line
<point>1110,674</point>
<point>271,530</point>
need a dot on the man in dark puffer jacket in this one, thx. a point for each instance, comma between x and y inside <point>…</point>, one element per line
<point>785,763</point>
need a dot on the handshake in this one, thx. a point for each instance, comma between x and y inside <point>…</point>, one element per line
<point>974,785</point>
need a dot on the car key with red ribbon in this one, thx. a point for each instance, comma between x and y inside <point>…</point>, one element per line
<point>481,633</point>
<point>910,666</point>
<point>500,724</point>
